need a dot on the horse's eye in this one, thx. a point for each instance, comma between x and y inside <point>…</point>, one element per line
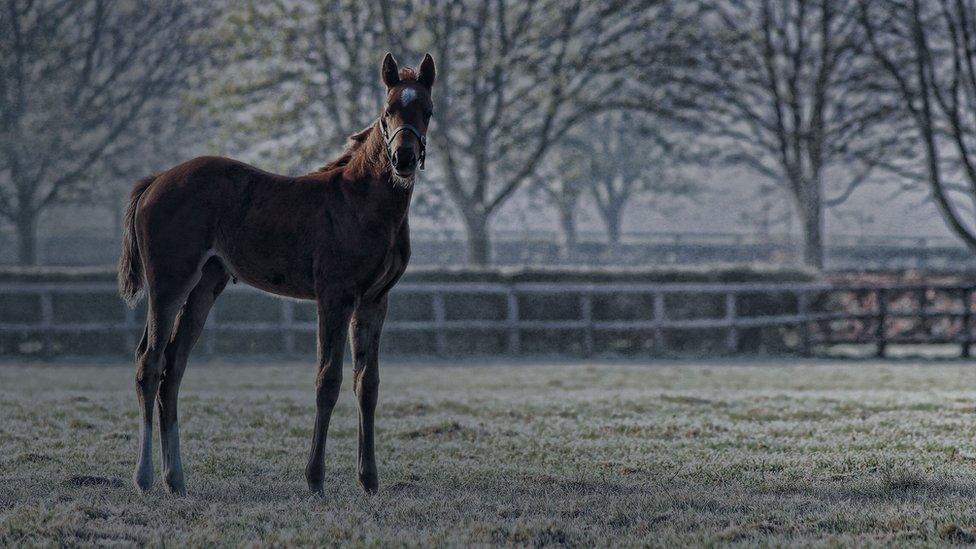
<point>428,114</point>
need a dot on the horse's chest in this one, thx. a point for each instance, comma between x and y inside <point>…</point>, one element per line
<point>385,270</point>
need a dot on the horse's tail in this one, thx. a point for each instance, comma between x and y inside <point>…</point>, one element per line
<point>130,263</point>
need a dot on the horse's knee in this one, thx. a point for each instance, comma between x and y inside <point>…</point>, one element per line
<point>148,369</point>
<point>147,376</point>
<point>367,383</point>
<point>328,381</point>
<point>327,393</point>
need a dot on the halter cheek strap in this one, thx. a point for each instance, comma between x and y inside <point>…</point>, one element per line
<point>388,138</point>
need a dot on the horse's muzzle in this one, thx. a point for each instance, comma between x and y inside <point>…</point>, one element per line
<point>404,161</point>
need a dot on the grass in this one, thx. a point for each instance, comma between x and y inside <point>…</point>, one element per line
<point>516,454</point>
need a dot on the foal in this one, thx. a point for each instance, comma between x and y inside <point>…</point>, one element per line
<point>338,236</point>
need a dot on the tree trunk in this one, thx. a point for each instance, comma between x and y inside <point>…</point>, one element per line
<point>567,223</point>
<point>479,248</point>
<point>811,215</point>
<point>27,238</point>
<point>613,218</point>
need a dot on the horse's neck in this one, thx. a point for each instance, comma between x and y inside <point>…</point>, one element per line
<point>368,156</point>
<point>370,162</point>
<point>380,196</point>
<point>400,199</point>
<point>365,165</point>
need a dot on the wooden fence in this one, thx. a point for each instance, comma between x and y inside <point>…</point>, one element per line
<point>816,314</point>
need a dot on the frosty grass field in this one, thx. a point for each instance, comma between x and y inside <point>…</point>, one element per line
<point>528,454</point>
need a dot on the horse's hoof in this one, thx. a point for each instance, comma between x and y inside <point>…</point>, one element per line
<point>143,480</point>
<point>369,484</point>
<point>316,488</point>
<point>176,489</point>
<point>174,484</point>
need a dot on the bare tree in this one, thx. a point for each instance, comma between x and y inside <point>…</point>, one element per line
<point>515,77</point>
<point>75,78</point>
<point>304,78</point>
<point>563,180</point>
<point>617,160</point>
<point>786,89</point>
<point>632,159</point>
<point>928,52</point>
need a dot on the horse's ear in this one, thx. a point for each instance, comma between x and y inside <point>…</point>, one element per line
<point>390,71</point>
<point>426,76</point>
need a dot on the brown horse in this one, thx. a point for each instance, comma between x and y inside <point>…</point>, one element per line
<point>338,236</point>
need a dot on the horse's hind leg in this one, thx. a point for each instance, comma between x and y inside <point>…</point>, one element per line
<point>189,326</point>
<point>166,297</point>
<point>149,358</point>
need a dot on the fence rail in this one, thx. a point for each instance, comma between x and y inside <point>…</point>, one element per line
<point>818,313</point>
<point>540,247</point>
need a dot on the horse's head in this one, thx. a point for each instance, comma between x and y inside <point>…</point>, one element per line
<point>407,113</point>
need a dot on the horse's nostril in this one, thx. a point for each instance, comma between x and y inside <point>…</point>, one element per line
<point>404,155</point>
<point>404,159</point>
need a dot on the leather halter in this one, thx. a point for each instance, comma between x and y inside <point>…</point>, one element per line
<point>388,139</point>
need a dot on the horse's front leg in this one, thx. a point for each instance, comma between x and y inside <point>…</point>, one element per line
<point>366,327</point>
<point>334,313</point>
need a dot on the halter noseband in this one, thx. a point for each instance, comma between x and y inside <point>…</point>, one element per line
<point>388,139</point>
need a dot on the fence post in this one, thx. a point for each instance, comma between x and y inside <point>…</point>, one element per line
<point>732,334</point>
<point>287,326</point>
<point>47,324</point>
<point>440,336</point>
<point>803,311</point>
<point>879,330</point>
<point>514,344</point>
<point>586,315</point>
<point>659,322</point>
<point>967,325</point>
<point>923,323</point>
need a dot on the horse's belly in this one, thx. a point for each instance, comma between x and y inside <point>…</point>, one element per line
<point>296,291</point>
<point>276,262</point>
<point>272,272</point>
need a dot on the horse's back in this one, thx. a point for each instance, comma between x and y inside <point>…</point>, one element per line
<point>213,171</point>
<point>204,187</point>
<point>179,213</point>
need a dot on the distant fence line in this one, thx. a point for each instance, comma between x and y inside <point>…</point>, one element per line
<point>636,248</point>
<point>713,238</point>
<point>51,318</point>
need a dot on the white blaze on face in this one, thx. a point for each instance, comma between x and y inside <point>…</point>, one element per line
<point>407,95</point>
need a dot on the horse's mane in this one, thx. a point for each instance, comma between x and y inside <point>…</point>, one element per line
<point>353,144</point>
